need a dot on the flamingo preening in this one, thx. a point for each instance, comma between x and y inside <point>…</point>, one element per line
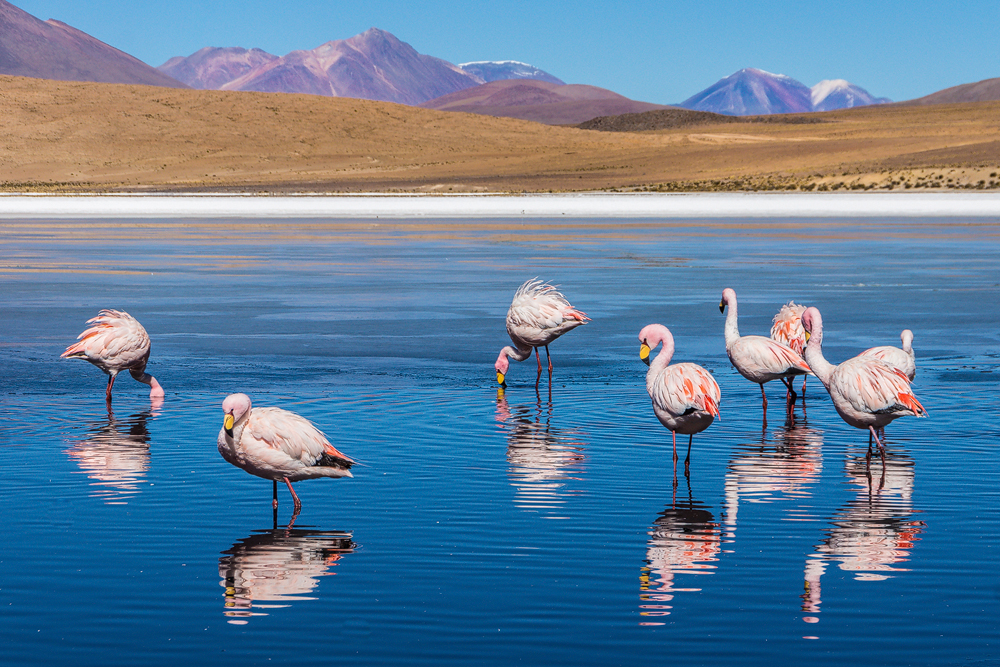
<point>277,445</point>
<point>537,316</point>
<point>685,396</point>
<point>760,359</point>
<point>116,342</point>
<point>867,392</point>
<point>786,328</point>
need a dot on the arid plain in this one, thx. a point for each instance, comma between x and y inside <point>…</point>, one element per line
<point>71,137</point>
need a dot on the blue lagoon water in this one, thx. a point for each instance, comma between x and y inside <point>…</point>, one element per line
<point>486,526</point>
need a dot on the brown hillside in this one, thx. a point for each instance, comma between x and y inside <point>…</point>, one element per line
<point>89,136</point>
<point>987,90</point>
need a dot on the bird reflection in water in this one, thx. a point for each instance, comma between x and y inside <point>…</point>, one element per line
<point>543,458</point>
<point>872,534</point>
<point>684,539</point>
<point>786,467</point>
<point>115,454</point>
<point>272,568</point>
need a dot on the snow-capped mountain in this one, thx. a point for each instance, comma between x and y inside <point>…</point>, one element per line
<point>752,92</point>
<point>499,70</point>
<point>839,94</point>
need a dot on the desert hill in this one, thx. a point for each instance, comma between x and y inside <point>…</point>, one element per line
<point>70,136</point>
<point>53,50</point>
<point>539,101</point>
<point>987,90</point>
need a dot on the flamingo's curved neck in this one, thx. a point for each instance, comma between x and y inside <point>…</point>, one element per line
<point>517,354</point>
<point>732,330</point>
<point>660,362</point>
<point>813,354</point>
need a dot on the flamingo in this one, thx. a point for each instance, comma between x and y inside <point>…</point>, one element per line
<point>685,396</point>
<point>786,328</point>
<point>760,359</point>
<point>903,359</point>
<point>116,342</point>
<point>866,391</point>
<point>537,316</point>
<point>277,444</point>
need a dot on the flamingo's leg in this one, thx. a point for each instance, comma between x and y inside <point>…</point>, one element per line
<point>274,503</point>
<point>687,461</point>
<point>548,357</point>
<point>111,383</point>
<point>295,498</point>
<point>763,397</point>
<point>881,447</point>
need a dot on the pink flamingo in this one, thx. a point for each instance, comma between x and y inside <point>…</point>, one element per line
<point>537,316</point>
<point>277,444</point>
<point>786,328</point>
<point>903,359</point>
<point>760,359</point>
<point>116,342</point>
<point>867,392</point>
<point>685,396</point>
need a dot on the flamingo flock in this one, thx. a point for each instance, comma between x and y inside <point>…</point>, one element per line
<point>868,391</point>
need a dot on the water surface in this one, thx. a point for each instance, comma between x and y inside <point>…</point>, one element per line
<point>497,527</point>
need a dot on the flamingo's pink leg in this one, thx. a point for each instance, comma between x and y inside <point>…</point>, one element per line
<point>295,498</point>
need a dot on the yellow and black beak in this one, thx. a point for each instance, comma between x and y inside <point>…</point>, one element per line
<point>644,352</point>
<point>807,336</point>
<point>722,306</point>
<point>501,379</point>
<point>228,424</point>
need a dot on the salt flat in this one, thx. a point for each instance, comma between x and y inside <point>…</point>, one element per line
<point>590,205</point>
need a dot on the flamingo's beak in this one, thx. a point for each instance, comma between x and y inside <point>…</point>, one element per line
<point>228,424</point>
<point>644,352</point>
<point>722,306</point>
<point>501,379</point>
<point>807,336</point>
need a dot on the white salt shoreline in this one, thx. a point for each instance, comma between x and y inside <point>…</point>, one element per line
<point>590,205</point>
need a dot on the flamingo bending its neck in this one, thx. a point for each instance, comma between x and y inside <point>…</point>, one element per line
<point>786,328</point>
<point>760,359</point>
<point>537,316</point>
<point>867,392</point>
<point>116,342</point>
<point>277,445</point>
<point>685,396</point>
<point>903,359</point>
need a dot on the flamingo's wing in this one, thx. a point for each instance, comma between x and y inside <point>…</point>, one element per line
<point>768,356</point>
<point>684,387</point>
<point>285,440</point>
<point>115,340</point>
<point>875,387</point>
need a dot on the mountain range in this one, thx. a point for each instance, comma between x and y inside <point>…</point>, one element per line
<point>376,65</point>
<point>754,92</point>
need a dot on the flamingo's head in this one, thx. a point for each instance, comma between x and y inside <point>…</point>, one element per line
<point>501,366</point>
<point>235,408</point>
<point>728,297</point>
<point>811,321</point>
<point>651,336</point>
<point>906,337</point>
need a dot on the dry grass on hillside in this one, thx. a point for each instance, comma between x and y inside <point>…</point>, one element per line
<point>83,136</point>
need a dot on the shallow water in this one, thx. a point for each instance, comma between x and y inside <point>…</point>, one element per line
<point>487,526</point>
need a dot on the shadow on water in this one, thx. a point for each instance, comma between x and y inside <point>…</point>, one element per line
<point>786,465</point>
<point>872,533</point>
<point>543,458</point>
<point>272,568</point>
<point>115,454</point>
<point>684,539</point>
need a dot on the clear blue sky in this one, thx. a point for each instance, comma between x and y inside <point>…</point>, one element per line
<point>656,51</point>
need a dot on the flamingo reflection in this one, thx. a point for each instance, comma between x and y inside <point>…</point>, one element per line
<point>115,454</point>
<point>271,568</point>
<point>543,458</point>
<point>873,534</point>
<point>684,539</point>
<point>788,468</point>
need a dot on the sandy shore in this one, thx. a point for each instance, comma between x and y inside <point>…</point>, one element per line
<point>596,205</point>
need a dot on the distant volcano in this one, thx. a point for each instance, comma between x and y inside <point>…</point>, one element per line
<point>503,70</point>
<point>754,92</point>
